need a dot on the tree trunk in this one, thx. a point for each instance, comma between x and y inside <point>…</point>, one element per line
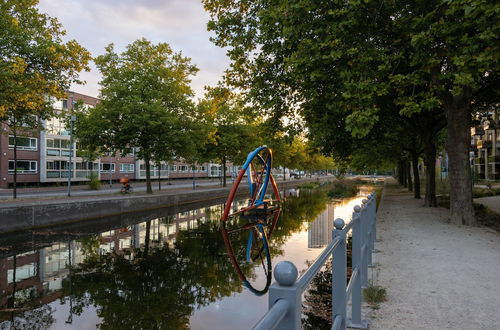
<point>405,173</point>
<point>457,146</point>
<point>149,190</point>
<point>430,174</point>
<point>416,175</point>
<point>400,172</point>
<point>224,170</point>
<point>408,174</point>
<point>14,131</point>
<point>284,173</point>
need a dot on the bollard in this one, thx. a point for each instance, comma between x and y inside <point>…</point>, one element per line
<point>285,274</point>
<point>339,274</point>
<point>355,321</point>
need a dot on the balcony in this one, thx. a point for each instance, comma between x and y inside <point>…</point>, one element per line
<point>490,124</point>
<point>477,130</point>
<point>483,144</point>
<point>494,159</point>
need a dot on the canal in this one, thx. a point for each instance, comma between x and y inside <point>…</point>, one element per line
<point>162,269</point>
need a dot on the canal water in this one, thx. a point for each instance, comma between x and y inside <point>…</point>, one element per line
<point>162,269</point>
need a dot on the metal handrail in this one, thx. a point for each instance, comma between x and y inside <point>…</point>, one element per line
<point>273,316</point>
<point>307,277</point>
<point>286,293</point>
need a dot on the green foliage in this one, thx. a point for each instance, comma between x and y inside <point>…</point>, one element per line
<point>481,192</point>
<point>145,104</point>
<point>309,185</point>
<point>374,294</point>
<point>343,189</point>
<point>94,183</point>
<point>35,63</point>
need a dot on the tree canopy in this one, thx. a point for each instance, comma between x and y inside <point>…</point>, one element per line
<point>145,103</point>
<point>340,64</point>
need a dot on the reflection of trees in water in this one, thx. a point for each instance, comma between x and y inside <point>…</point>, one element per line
<point>34,319</point>
<point>159,288</point>
<point>317,305</point>
<point>296,211</point>
<point>161,285</point>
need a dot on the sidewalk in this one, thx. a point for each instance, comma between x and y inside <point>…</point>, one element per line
<point>492,202</point>
<point>437,275</point>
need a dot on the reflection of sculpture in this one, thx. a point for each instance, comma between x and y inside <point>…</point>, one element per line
<point>253,223</point>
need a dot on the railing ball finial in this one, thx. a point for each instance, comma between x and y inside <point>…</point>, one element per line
<point>339,224</point>
<point>285,273</point>
<point>364,201</point>
<point>357,208</point>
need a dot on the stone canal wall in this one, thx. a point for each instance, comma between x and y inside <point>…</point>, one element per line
<point>42,213</point>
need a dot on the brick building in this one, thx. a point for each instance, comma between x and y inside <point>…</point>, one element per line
<point>43,155</point>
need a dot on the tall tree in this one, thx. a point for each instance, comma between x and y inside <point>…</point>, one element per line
<point>35,66</point>
<point>333,61</point>
<point>145,103</point>
<point>232,132</point>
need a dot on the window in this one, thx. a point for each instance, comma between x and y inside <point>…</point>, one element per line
<point>127,168</point>
<point>173,168</point>
<point>58,147</point>
<point>23,143</point>
<point>203,168</point>
<point>184,168</point>
<point>23,166</point>
<point>105,167</point>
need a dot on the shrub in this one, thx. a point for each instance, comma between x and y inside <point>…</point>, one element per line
<point>374,294</point>
<point>309,185</point>
<point>94,182</point>
<point>343,189</point>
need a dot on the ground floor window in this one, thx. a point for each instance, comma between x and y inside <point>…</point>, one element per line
<point>106,166</point>
<point>127,168</point>
<point>183,168</point>
<point>173,168</point>
<point>23,166</point>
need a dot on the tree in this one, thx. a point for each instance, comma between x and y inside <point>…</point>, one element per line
<point>335,62</point>
<point>35,66</point>
<point>232,132</point>
<point>145,103</point>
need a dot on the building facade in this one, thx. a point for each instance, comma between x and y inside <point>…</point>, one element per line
<point>485,143</point>
<point>43,155</point>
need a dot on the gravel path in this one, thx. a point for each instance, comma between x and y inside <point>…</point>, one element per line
<point>437,275</point>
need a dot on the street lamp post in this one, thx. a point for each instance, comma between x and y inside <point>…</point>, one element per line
<point>73,118</point>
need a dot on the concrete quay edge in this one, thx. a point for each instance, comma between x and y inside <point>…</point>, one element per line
<point>44,213</point>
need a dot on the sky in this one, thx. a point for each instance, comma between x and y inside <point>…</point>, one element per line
<point>180,23</point>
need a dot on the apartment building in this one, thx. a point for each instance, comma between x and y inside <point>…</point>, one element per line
<point>43,155</point>
<point>485,143</point>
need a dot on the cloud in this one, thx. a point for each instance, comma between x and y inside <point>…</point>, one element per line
<point>180,23</point>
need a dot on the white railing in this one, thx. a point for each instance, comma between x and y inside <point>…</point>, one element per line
<point>286,293</point>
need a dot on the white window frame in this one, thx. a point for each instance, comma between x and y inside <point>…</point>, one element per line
<point>113,167</point>
<point>30,171</point>
<point>11,146</point>
<point>129,170</point>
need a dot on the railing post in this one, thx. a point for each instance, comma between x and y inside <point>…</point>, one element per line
<point>285,274</point>
<point>339,275</point>
<point>374,220</point>
<point>364,243</point>
<point>355,321</point>
<point>369,228</point>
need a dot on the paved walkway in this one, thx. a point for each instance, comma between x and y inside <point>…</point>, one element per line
<point>492,202</point>
<point>438,275</point>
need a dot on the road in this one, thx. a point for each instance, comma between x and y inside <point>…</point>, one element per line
<point>83,190</point>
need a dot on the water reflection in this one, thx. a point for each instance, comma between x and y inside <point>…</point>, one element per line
<point>154,274</point>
